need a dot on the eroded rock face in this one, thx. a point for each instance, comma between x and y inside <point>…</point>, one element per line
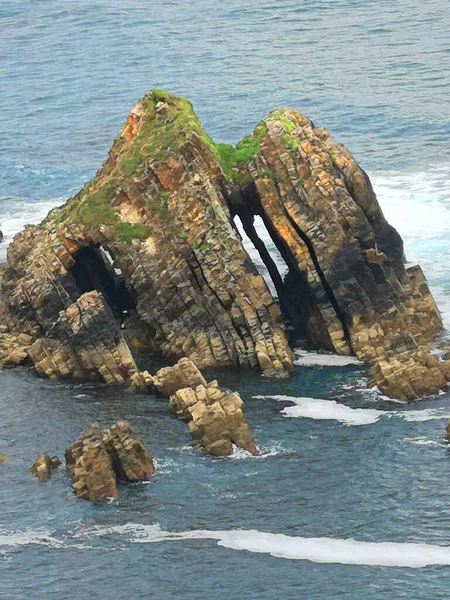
<point>146,256</point>
<point>85,341</point>
<point>91,467</point>
<point>216,419</point>
<point>347,286</point>
<point>131,461</point>
<point>99,458</point>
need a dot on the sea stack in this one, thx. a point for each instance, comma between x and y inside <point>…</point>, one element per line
<point>147,256</point>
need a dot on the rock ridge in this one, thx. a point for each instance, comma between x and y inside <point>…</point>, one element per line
<point>147,257</point>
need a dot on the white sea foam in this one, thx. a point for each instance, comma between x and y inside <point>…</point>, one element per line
<point>330,410</point>
<point>240,454</point>
<point>18,214</point>
<point>315,408</point>
<point>426,414</point>
<point>417,204</point>
<point>314,549</point>
<point>317,549</point>
<point>316,359</point>
<point>421,441</point>
<point>13,540</point>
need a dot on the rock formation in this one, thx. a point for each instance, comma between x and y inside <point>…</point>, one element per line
<point>147,256</point>
<point>215,417</point>
<point>44,465</point>
<point>99,459</point>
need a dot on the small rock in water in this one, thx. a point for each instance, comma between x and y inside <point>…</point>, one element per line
<point>44,465</point>
<point>100,458</point>
<point>216,420</point>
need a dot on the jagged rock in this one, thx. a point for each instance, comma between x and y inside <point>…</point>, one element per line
<point>3,457</point>
<point>447,431</point>
<point>99,458</point>
<point>43,466</point>
<point>84,341</point>
<point>152,237</point>
<point>184,374</point>
<point>142,382</point>
<point>348,287</point>
<point>131,461</point>
<point>216,420</point>
<point>91,467</point>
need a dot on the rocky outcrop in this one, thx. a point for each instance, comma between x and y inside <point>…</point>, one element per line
<point>216,419</point>
<point>147,257</point>
<point>99,459</point>
<point>131,461</point>
<point>85,341</point>
<point>349,289</point>
<point>44,465</point>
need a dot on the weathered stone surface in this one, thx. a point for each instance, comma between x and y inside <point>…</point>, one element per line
<point>183,374</point>
<point>131,461</point>
<point>347,279</point>
<point>215,417</point>
<point>85,341</point>
<point>146,256</point>
<point>142,382</point>
<point>99,458</point>
<point>157,210</point>
<point>447,431</point>
<point>91,467</point>
<point>43,466</point>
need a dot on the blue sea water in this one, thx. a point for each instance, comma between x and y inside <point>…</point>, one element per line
<point>339,462</point>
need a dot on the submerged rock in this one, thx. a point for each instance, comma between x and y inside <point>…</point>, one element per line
<point>99,458</point>
<point>147,256</point>
<point>44,465</point>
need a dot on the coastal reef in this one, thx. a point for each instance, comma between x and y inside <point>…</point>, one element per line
<point>147,257</point>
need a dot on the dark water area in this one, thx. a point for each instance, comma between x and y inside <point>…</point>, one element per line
<point>339,462</point>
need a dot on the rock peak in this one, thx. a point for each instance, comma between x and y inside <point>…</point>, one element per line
<point>147,255</point>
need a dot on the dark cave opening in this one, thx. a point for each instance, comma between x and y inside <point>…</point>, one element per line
<point>94,270</point>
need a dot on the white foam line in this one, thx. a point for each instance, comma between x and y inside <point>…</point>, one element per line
<point>330,410</point>
<point>314,549</point>
<point>315,408</point>
<point>316,359</point>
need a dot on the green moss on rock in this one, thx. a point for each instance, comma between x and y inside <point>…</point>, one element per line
<point>127,232</point>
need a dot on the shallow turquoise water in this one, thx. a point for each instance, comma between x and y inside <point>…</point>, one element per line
<point>375,73</point>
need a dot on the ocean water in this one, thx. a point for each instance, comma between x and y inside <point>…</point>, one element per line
<point>349,498</point>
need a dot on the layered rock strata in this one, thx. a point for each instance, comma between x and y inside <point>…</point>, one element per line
<point>100,458</point>
<point>346,263</point>
<point>147,257</point>
<point>216,419</point>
